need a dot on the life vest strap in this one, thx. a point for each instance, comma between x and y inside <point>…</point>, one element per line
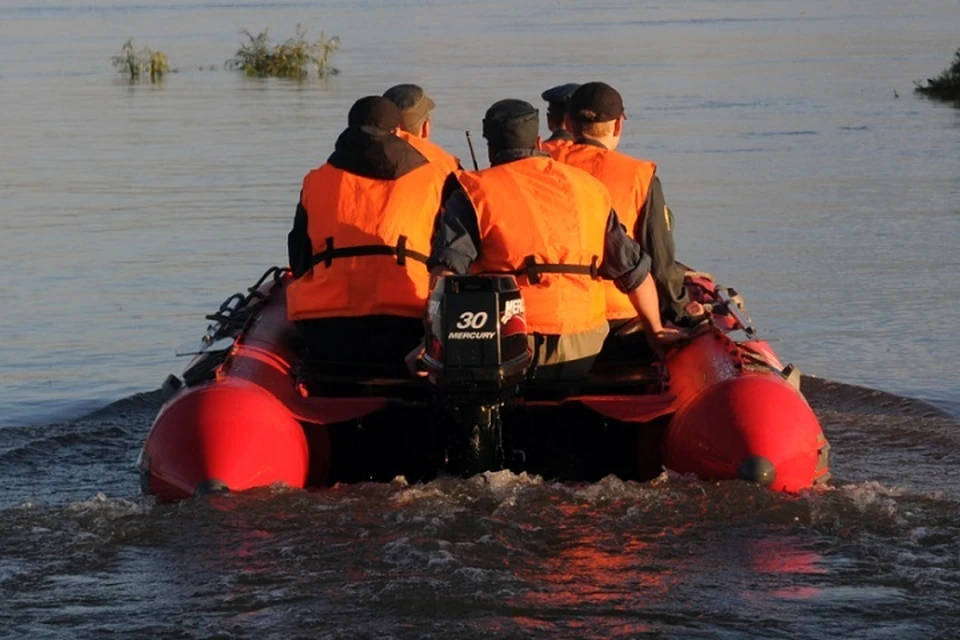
<point>532,269</point>
<point>401,252</point>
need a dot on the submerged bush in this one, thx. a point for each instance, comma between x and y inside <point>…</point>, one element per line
<point>294,58</point>
<point>144,61</point>
<point>946,86</point>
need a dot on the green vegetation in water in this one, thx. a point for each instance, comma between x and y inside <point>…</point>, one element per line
<point>944,87</point>
<point>295,58</point>
<point>141,62</point>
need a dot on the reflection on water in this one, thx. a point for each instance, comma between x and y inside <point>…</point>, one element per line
<point>503,554</point>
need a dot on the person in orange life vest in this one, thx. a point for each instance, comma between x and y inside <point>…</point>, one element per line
<point>596,117</point>
<point>415,127</point>
<point>553,226</point>
<point>360,241</point>
<point>558,101</point>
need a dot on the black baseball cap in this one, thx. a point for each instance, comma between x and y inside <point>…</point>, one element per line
<point>596,102</point>
<point>374,111</point>
<point>511,124</point>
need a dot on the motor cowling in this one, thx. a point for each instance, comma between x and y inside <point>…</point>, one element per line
<point>476,335</point>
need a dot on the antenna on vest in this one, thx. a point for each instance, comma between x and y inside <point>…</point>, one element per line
<point>473,154</point>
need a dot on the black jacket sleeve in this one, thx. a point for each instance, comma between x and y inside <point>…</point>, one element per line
<point>299,248</point>
<point>656,235</point>
<point>456,236</point>
<point>624,261</point>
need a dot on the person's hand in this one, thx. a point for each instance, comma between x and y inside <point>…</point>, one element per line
<point>660,340</point>
<point>670,335</point>
<point>695,310</point>
<point>412,360</point>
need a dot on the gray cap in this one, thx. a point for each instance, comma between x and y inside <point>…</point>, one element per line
<point>414,103</point>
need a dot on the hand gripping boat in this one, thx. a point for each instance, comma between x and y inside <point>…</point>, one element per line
<point>254,410</point>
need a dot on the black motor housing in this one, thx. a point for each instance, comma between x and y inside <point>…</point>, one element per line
<point>476,342</point>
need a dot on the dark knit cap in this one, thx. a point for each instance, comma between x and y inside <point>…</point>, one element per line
<point>511,124</point>
<point>596,102</point>
<point>374,111</point>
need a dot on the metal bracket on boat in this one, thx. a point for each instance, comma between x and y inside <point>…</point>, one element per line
<point>733,302</point>
<point>232,315</point>
<point>206,345</point>
<point>792,375</point>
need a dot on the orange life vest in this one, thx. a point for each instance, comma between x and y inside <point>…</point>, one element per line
<point>433,152</point>
<point>553,146</point>
<point>628,180</point>
<point>371,241</point>
<point>545,222</point>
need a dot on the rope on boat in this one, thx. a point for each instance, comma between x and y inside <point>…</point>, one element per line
<point>236,310</point>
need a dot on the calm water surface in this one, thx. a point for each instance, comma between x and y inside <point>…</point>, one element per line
<point>129,211</point>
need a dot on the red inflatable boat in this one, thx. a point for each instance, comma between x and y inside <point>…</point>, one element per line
<point>254,410</point>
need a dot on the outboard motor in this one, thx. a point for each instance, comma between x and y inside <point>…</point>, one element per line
<point>476,355</point>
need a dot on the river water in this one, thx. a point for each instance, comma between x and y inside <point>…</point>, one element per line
<point>801,168</point>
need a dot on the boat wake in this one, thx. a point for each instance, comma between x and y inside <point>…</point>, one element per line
<point>839,396</point>
<point>498,554</point>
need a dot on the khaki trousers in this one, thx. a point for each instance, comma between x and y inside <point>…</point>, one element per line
<point>567,357</point>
